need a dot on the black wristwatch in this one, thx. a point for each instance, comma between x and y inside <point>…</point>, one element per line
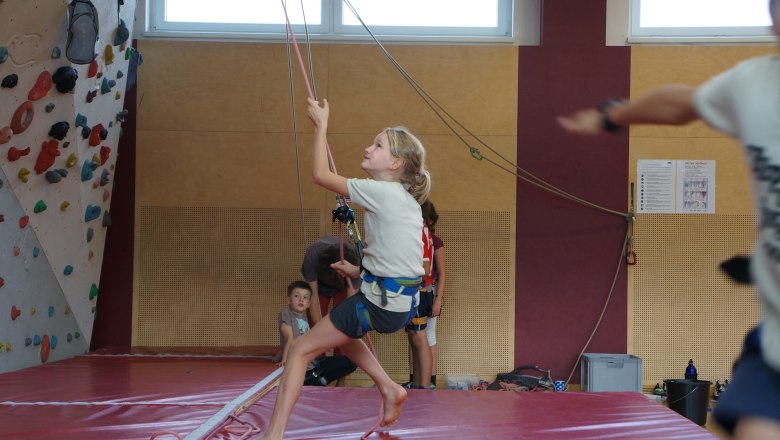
<point>606,123</point>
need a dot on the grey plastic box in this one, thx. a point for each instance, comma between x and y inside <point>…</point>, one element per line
<point>610,372</point>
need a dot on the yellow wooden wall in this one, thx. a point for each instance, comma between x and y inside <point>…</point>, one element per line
<point>220,230</point>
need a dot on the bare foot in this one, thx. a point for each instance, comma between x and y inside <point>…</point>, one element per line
<point>393,400</point>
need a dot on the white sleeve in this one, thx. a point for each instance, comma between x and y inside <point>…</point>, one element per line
<point>365,192</point>
<point>716,102</point>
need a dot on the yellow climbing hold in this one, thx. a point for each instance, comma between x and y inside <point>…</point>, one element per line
<point>23,175</point>
<point>7,346</point>
<point>96,159</point>
<point>33,310</point>
<point>64,205</point>
<point>108,54</point>
<point>72,160</point>
<point>118,96</point>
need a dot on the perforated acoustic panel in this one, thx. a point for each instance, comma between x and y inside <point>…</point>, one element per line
<point>476,328</point>
<point>682,306</point>
<point>217,276</point>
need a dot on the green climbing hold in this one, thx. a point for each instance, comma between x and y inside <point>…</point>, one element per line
<point>93,292</point>
<point>40,206</point>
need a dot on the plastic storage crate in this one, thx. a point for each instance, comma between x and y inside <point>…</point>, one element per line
<point>610,372</point>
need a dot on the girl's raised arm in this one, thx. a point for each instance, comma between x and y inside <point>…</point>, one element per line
<point>321,172</point>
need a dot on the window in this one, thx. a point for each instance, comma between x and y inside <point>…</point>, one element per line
<point>417,20</point>
<point>699,21</point>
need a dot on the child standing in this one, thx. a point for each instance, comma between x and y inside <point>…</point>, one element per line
<point>743,102</point>
<point>392,262</point>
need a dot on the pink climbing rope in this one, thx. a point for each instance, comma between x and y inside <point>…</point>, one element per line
<point>332,165</point>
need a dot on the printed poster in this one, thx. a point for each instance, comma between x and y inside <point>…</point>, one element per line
<point>676,186</point>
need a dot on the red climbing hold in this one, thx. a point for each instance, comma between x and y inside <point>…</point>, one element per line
<point>45,348</point>
<point>23,221</point>
<point>6,133</point>
<point>15,313</point>
<point>22,117</point>
<point>14,153</point>
<point>104,153</point>
<point>41,87</point>
<point>93,69</point>
<point>94,135</point>
<point>17,251</point>
<point>2,281</point>
<point>46,157</point>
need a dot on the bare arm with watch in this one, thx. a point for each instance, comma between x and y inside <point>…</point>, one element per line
<point>671,104</point>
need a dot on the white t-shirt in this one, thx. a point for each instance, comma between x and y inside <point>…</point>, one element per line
<point>393,227</point>
<point>744,102</point>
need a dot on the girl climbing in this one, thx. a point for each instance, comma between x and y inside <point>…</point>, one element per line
<point>392,264</point>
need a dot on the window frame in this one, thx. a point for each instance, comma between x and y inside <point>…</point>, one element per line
<point>331,29</point>
<point>730,34</point>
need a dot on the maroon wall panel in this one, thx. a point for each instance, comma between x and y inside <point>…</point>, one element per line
<point>114,320</point>
<point>568,254</point>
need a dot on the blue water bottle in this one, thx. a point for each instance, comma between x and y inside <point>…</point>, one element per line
<point>690,371</point>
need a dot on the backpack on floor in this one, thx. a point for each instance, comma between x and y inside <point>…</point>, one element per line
<point>83,29</point>
<point>517,380</point>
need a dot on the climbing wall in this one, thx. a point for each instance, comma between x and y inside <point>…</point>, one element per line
<point>59,128</point>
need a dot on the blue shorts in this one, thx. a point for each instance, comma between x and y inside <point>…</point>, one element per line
<point>754,391</point>
<point>345,317</point>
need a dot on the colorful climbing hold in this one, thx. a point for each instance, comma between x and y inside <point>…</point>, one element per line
<point>41,87</point>
<point>119,74</point>
<point>81,120</point>
<point>93,69</point>
<point>106,195</point>
<point>72,160</point>
<point>23,175</point>
<point>66,144</point>
<point>7,346</point>
<point>37,340</point>
<point>93,292</point>
<point>22,117</point>
<point>10,81</point>
<point>87,170</point>
<point>6,133</point>
<point>56,53</point>
<point>77,335</point>
<point>91,213</point>
<point>45,348</point>
<point>3,54</point>
<point>33,311</point>
<point>49,107</point>
<point>49,151</point>
<point>96,136</point>
<point>15,312</point>
<point>91,95</point>
<point>67,310</point>
<point>65,79</point>
<point>51,311</point>
<point>2,281</point>
<point>117,96</point>
<point>39,207</point>
<point>28,342</point>
<point>90,254</point>
<point>122,33</point>
<point>69,337</point>
<point>64,205</point>
<point>54,176</point>
<point>59,130</point>
<point>14,153</point>
<point>96,159</point>
<point>106,85</point>
<point>105,177</point>
<point>105,152</point>
<point>17,250</point>
<point>68,270</point>
<point>23,221</point>
<point>90,234</point>
<point>36,252</point>
<point>54,342</point>
<point>121,116</point>
<point>108,54</point>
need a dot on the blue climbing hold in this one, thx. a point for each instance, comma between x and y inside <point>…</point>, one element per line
<point>105,177</point>
<point>53,342</point>
<point>36,251</point>
<point>3,54</point>
<point>90,234</point>
<point>87,171</point>
<point>37,340</point>
<point>56,53</point>
<point>81,120</point>
<point>92,212</point>
<point>51,311</point>
<point>68,270</point>
<point>122,33</point>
